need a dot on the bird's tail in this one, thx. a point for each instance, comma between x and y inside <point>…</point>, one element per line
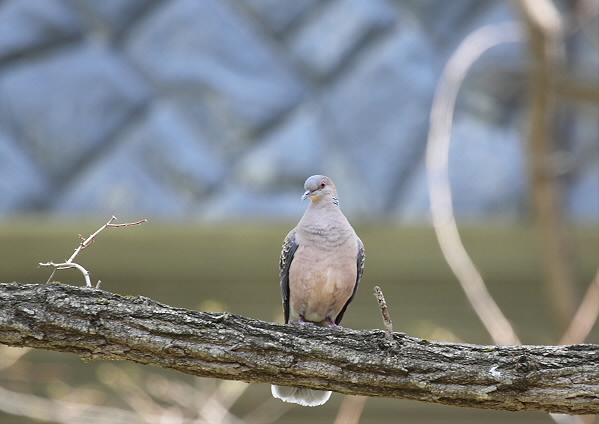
<point>304,397</point>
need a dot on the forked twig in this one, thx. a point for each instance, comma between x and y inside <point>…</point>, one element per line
<point>85,243</point>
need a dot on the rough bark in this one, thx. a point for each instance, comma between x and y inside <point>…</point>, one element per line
<point>98,325</point>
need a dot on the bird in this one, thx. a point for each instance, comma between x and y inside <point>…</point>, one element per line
<point>320,268</point>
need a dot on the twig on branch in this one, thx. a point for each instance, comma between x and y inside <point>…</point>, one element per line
<point>378,293</point>
<point>352,407</point>
<point>99,325</point>
<point>67,265</point>
<point>85,243</point>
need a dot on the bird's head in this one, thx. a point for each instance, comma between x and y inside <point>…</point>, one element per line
<point>319,187</point>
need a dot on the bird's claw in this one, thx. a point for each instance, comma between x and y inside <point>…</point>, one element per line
<point>333,324</point>
<point>302,321</point>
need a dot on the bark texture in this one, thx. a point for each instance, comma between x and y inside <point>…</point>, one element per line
<point>98,325</point>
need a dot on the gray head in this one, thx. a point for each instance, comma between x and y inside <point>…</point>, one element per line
<point>319,187</point>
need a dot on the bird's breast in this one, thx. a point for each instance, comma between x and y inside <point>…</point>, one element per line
<point>322,275</point>
<point>325,235</point>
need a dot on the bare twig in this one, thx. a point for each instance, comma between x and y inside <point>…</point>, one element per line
<point>67,265</point>
<point>128,224</point>
<point>585,316</point>
<point>585,13</point>
<point>444,221</point>
<point>352,406</point>
<point>378,293</point>
<point>50,278</point>
<point>546,45</point>
<point>85,243</point>
<point>441,202</point>
<point>351,409</point>
<point>10,355</point>
<point>39,408</point>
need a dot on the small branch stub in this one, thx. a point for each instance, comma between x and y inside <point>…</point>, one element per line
<point>378,293</point>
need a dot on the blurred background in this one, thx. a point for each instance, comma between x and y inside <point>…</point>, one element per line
<point>206,116</point>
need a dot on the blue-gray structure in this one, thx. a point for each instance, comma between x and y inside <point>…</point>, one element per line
<point>219,109</point>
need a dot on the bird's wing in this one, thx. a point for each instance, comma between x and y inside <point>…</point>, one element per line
<point>360,271</point>
<point>289,247</point>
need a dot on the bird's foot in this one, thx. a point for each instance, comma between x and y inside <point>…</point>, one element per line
<point>302,321</point>
<point>333,324</point>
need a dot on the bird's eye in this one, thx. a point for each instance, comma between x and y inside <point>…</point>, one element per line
<point>323,184</point>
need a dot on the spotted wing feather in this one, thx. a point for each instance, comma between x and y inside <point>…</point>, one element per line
<point>361,257</point>
<point>289,247</point>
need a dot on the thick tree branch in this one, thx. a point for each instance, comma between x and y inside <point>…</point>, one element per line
<point>99,325</point>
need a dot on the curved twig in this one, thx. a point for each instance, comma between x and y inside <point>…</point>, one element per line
<point>437,151</point>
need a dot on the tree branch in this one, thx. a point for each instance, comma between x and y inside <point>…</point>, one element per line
<point>546,43</point>
<point>85,243</point>
<point>98,325</point>
<point>437,156</point>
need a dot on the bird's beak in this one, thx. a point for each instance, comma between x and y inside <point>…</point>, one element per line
<point>307,194</point>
